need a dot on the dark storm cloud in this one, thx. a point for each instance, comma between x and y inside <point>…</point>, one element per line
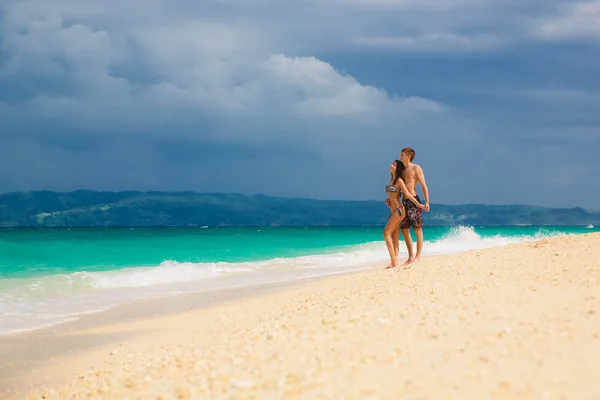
<point>245,96</point>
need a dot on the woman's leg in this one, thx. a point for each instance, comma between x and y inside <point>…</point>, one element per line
<point>396,233</point>
<point>396,241</point>
<point>392,225</point>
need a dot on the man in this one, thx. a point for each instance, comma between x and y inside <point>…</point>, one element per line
<point>413,175</point>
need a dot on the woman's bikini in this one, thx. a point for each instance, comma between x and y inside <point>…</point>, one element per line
<point>394,189</point>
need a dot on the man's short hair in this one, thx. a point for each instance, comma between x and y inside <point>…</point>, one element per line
<point>409,151</point>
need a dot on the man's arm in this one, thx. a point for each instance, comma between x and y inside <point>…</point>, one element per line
<point>406,194</point>
<point>421,180</point>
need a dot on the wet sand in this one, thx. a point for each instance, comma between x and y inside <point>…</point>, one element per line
<point>516,322</point>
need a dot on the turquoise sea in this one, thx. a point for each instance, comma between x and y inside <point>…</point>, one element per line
<point>48,276</point>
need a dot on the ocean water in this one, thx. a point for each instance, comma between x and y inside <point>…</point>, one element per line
<point>49,276</point>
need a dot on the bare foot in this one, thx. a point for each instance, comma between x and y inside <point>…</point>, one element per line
<point>391,266</point>
<point>408,262</point>
<point>417,259</point>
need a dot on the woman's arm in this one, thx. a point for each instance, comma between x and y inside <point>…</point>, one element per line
<point>407,194</point>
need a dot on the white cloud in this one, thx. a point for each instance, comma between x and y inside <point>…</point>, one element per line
<point>437,42</point>
<point>577,20</point>
<point>436,5</point>
<point>321,90</point>
<point>434,26</point>
<point>47,48</point>
<point>203,72</point>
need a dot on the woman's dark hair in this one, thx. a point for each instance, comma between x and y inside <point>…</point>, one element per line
<point>399,170</point>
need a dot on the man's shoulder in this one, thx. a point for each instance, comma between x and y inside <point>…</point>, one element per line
<point>414,167</point>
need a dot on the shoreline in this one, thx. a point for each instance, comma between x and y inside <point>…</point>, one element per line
<point>224,284</point>
<point>448,315</point>
<point>63,309</point>
<point>32,343</point>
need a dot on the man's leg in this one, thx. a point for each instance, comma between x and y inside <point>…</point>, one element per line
<point>409,245</point>
<point>417,225</point>
<point>419,233</point>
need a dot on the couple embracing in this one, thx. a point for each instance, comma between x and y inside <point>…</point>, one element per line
<point>406,209</point>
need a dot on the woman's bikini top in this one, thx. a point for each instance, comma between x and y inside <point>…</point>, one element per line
<point>391,188</point>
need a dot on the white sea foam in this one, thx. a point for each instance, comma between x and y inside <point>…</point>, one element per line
<point>35,302</point>
<point>465,238</point>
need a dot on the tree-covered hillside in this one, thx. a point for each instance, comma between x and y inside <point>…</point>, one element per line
<point>90,208</point>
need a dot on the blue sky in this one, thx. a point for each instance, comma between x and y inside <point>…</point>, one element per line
<point>501,100</point>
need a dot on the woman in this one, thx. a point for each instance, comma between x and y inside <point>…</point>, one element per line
<point>391,232</point>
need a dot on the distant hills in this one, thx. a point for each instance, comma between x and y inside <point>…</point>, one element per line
<point>85,208</point>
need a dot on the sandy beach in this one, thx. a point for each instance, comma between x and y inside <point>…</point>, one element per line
<point>513,322</point>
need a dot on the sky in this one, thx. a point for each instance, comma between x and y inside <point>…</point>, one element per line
<point>303,98</point>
